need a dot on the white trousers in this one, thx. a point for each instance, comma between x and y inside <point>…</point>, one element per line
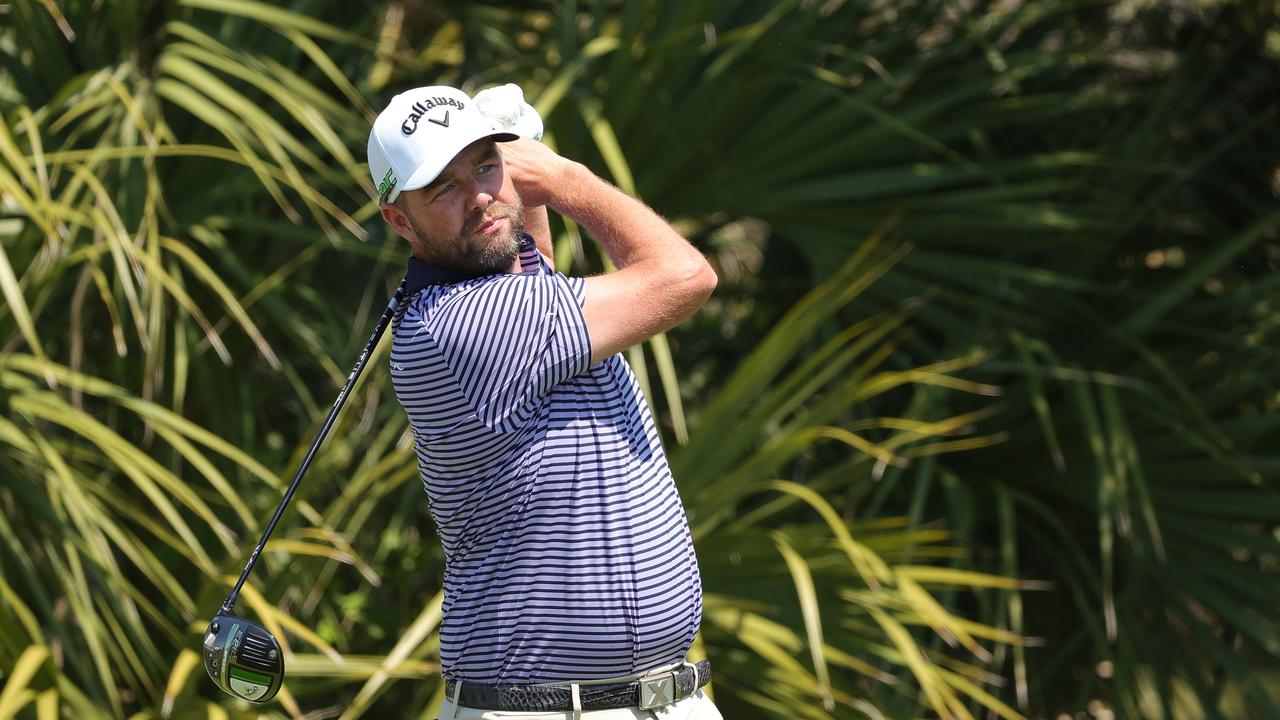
<point>695,707</point>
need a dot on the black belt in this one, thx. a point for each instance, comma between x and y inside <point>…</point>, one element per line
<point>648,692</point>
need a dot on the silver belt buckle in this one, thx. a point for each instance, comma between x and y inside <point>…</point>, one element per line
<point>657,691</point>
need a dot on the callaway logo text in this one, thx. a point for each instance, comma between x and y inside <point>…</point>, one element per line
<point>421,107</point>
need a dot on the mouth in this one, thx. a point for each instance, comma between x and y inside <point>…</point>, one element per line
<point>491,226</point>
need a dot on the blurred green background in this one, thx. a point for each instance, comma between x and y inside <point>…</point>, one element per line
<point>982,421</point>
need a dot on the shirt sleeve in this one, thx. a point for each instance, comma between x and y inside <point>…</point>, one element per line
<point>510,339</point>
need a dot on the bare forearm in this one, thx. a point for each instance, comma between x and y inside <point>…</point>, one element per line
<point>629,231</point>
<point>661,278</point>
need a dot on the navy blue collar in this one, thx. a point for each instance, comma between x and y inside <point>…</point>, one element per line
<point>421,273</point>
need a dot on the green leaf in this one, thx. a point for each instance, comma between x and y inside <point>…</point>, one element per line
<point>16,694</point>
<point>803,580</point>
<point>277,17</point>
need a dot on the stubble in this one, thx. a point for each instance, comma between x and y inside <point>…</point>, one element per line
<point>473,255</point>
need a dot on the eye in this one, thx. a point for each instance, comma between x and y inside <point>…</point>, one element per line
<point>444,190</point>
<point>486,169</point>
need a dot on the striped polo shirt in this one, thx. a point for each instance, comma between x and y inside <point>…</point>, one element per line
<point>568,555</point>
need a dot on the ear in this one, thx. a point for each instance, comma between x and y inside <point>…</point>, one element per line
<point>399,222</point>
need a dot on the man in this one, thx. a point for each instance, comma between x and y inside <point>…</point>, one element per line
<point>571,585</point>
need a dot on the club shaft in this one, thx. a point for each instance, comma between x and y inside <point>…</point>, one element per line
<point>229,604</point>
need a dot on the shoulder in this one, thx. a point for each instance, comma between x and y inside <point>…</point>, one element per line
<point>507,292</point>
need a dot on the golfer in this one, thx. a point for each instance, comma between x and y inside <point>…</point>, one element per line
<point>571,589</point>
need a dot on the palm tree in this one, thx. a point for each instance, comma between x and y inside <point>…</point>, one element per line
<point>917,207</point>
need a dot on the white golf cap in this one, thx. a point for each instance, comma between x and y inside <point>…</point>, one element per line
<point>418,135</point>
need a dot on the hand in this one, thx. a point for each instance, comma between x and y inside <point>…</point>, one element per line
<point>537,173</point>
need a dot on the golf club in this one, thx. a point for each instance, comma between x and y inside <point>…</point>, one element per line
<point>241,656</point>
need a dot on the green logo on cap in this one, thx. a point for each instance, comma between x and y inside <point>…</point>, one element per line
<point>387,185</point>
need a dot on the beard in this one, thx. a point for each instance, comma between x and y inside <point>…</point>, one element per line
<point>473,255</point>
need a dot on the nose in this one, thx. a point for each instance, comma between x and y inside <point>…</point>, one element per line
<point>479,198</point>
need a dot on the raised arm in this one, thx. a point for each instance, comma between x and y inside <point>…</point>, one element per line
<point>538,226</point>
<point>661,278</point>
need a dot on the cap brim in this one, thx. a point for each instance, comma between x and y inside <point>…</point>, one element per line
<point>427,172</point>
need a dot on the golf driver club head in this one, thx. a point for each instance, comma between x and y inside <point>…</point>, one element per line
<point>243,658</point>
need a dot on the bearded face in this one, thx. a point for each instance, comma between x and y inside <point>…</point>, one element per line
<point>469,219</point>
<point>488,242</point>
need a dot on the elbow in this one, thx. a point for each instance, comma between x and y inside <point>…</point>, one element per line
<point>700,281</point>
<point>706,281</point>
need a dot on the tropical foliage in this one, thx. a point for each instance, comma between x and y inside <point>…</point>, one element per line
<point>980,422</point>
